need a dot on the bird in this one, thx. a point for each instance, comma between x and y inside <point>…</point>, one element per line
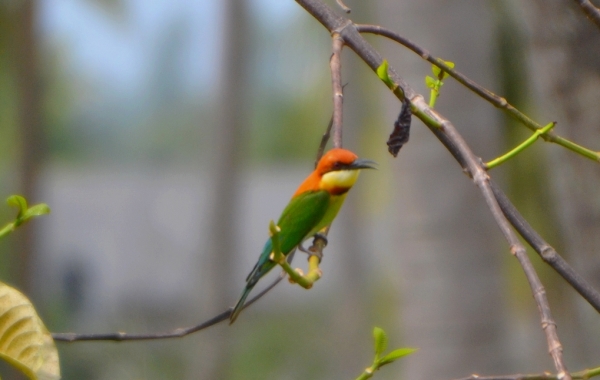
<point>314,206</point>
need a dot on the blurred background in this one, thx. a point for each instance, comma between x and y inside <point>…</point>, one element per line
<point>165,135</point>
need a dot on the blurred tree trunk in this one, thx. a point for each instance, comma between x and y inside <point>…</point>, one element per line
<point>226,167</point>
<point>30,125</point>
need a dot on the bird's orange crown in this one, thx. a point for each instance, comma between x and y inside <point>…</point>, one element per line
<point>333,160</point>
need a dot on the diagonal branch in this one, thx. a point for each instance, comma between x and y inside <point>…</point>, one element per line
<point>548,254</point>
<point>324,140</point>
<point>484,93</point>
<point>590,10</point>
<point>449,136</point>
<point>176,333</point>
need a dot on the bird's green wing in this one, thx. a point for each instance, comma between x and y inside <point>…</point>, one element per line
<point>300,216</point>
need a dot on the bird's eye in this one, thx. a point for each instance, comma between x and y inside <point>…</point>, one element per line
<point>337,165</point>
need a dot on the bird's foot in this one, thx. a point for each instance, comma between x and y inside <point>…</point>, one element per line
<point>316,249</point>
<point>322,237</point>
<point>312,251</point>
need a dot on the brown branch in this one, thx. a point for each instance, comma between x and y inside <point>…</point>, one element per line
<point>581,375</point>
<point>335,64</point>
<point>543,376</point>
<point>324,140</point>
<point>484,93</point>
<point>176,333</point>
<point>450,137</point>
<point>317,247</point>
<point>590,10</point>
<point>546,252</point>
<point>344,7</point>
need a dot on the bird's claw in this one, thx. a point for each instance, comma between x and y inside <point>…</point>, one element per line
<point>312,251</point>
<point>317,250</point>
<point>321,237</point>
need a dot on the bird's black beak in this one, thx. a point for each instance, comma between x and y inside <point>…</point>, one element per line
<point>361,163</point>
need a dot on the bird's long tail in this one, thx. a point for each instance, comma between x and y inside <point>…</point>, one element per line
<point>240,304</point>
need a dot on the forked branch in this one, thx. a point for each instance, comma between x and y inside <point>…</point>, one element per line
<point>449,136</point>
<point>483,92</point>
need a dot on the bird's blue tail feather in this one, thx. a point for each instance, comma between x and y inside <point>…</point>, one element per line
<point>262,267</point>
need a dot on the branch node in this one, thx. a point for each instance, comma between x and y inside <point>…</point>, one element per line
<point>337,31</point>
<point>548,254</point>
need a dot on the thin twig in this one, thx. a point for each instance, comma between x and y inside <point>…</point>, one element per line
<point>544,249</point>
<point>539,376</point>
<point>317,247</point>
<point>590,10</point>
<point>448,135</point>
<point>177,333</point>
<point>335,64</point>
<point>344,7</point>
<point>580,375</point>
<point>484,93</point>
<point>546,252</point>
<point>324,140</point>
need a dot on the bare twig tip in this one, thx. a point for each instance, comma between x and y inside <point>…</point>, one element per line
<point>343,6</point>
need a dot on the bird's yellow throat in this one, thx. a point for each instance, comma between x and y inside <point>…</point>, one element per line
<point>339,180</point>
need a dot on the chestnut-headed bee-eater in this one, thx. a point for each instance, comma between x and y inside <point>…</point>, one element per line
<point>313,207</point>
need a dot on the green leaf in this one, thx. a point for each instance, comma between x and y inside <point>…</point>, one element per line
<point>450,65</point>
<point>382,73</point>
<point>24,340</point>
<point>395,355</point>
<point>37,210</point>
<point>430,82</point>
<point>380,341</point>
<point>18,202</point>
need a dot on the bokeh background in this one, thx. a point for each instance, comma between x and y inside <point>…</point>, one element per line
<point>165,135</point>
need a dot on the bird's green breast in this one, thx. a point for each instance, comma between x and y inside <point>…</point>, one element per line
<point>335,204</point>
<point>307,214</point>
